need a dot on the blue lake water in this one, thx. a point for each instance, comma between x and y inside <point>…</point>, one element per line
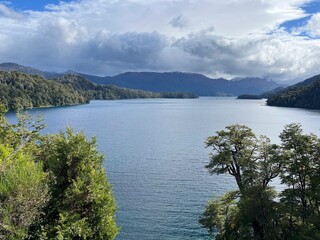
<point>155,154</point>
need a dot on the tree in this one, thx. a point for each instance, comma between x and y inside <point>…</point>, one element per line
<point>250,160</point>
<point>300,173</point>
<point>23,193</point>
<point>253,163</point>
<point>259,212</point>
<point>233,150</point>
<point>82,205</point>
<point>23,183</point>
<point>52,187</point>
<point>221,217</point>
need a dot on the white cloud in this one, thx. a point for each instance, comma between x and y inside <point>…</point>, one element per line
<point>218,38</point>
<point>7,12</point>
<point>229,17</point>
<point>279,55</point>
<point>313,26</point>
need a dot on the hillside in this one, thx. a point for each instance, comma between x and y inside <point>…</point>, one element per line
<point>20,91</point>
<point>186,82</point>
<point>19,68</point>
<point>106,92</point>
<point>305,94</point>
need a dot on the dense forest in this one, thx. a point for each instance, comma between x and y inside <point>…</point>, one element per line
<point>302,95</point>
<point>256,210</point>
<point>20,91</point>
<point>53,186</point>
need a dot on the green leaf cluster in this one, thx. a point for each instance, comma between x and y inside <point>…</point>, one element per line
<point>82,204</point>
<point>52,187</point>
<point>257,211</point>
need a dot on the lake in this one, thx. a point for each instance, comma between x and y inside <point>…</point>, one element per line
<point>155,154</point>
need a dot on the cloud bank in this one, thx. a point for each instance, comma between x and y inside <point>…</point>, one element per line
<point>218,38</point>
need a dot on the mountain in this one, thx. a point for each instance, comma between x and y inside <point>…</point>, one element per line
<point>21,90</point>
<point>305,94</point>
<point>19,68</point>
<point>187,82</point>
<point>108,92</point>
<point>197,84</point>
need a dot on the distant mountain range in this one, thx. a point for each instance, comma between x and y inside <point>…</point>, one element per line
<point>187,82</point>
<point>168,82</point>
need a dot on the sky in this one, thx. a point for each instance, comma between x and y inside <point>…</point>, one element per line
<point>277,39</point>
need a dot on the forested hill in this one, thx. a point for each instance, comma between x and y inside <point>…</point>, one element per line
<point>20,91</point>
<point>305,94</point>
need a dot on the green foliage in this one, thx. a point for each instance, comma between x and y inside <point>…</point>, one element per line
<point>23,183</point>
<point>52,187</point>
<point>19,91</point>
<point>240,153</point>
<point>23,192</point>
<point>259,212</point>
<point>82,204</point>
<point>220,216</point>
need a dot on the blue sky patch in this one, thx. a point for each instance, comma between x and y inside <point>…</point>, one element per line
<point>310,8</point>
<point>297,23</point>
<point>37,5</point>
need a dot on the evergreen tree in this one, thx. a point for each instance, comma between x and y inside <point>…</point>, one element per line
<point>23,183</point>
<point>82,205</point>
<point>52,187</point>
